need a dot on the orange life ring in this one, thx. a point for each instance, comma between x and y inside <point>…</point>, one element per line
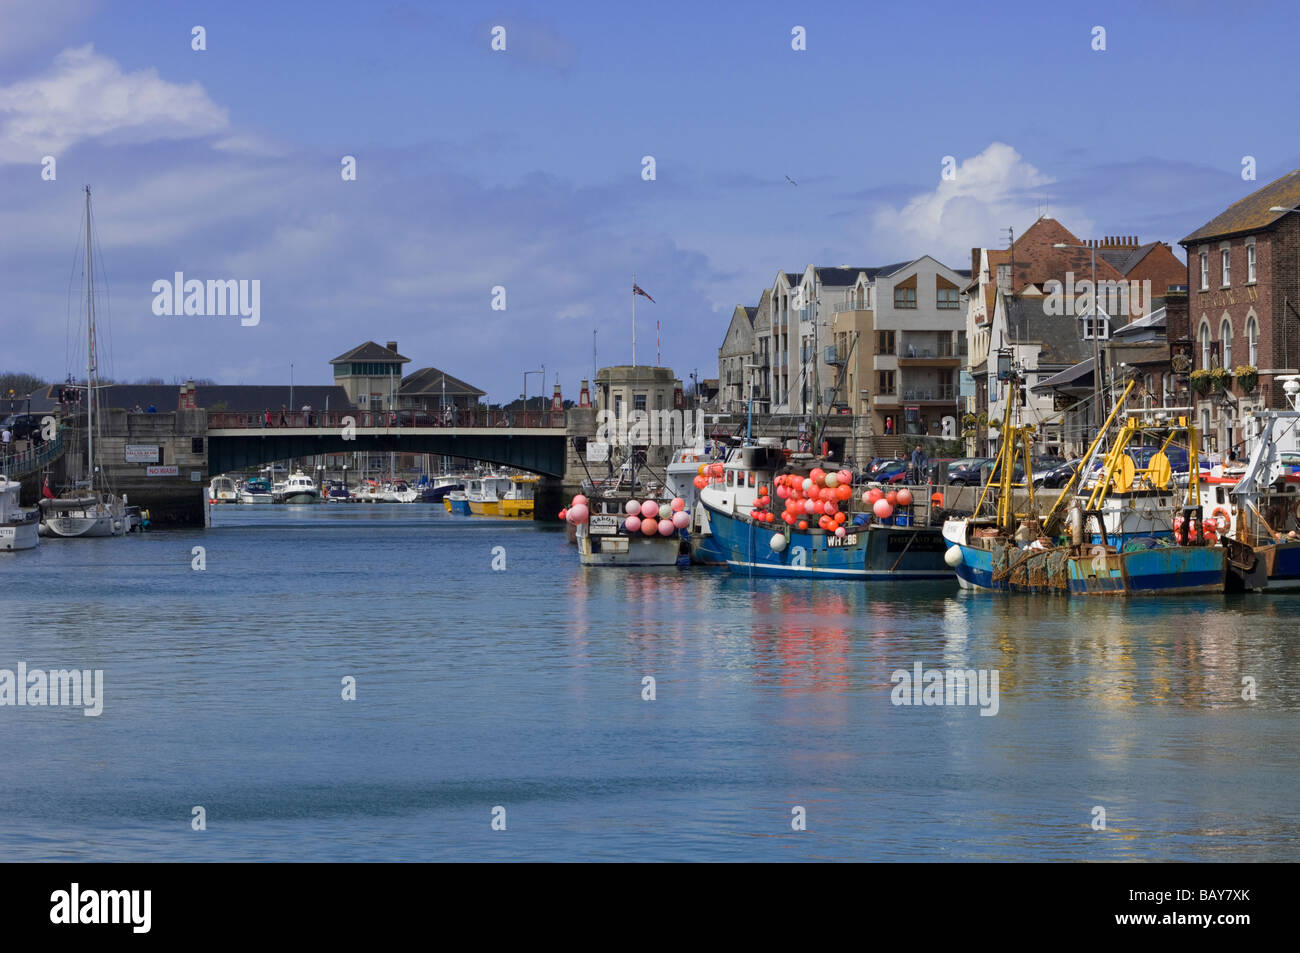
<point>1222,517</point>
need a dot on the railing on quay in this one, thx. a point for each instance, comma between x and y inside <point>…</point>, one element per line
<point>460,418</point>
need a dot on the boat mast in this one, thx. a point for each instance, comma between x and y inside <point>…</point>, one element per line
<point>90,356</point>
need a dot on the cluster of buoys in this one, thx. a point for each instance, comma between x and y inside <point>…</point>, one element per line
<point>815,499</point>
<point>650,517</point>
<point>882,502</point>
<point>577,511</point>
<point>1207,529</point>
<point>708,473</point>
<point>759,512</point>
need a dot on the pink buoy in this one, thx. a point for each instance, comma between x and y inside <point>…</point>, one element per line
<point>649,527</point>
<point>666,527</point>
<point>810,506</point>
<point>649,509</point>
<point>578,513</point>
<point>579,500</point>
<point>882,509</point>
<point>681,519</point>
<point>631,507</point>
<point>873,495</point>
<point>841,532</point>
<point>905,497</point>
<point>632,524</point>
<point>678,504</point>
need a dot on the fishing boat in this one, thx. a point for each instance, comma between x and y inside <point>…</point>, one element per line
<point>483,493</point>
<point>222,489</point>
<point>1261,510</point>
<point>1134,532</point>
<point>298,488</point>
<point>88,509</point>
<point>685,465</point>
<point>829,538</point>
<point>518,500</point>
<point>256,490</point>
<point>18,525</point>
<point>613,528</point>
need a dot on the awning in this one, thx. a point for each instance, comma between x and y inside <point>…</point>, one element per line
<point>1076,380</point>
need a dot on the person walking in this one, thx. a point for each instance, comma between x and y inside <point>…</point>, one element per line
<point>918,464</point>
<point>266,418</point>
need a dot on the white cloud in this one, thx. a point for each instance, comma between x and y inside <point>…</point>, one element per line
<point>87,96</point>
<point>990,192</point>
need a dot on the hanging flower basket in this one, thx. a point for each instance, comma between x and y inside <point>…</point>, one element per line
<point>1199,381</point>
<point>1220,379</point>
<point>1247,377</point>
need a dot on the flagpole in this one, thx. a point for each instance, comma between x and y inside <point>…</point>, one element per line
<point>634,319</point>
<point>658,355</point>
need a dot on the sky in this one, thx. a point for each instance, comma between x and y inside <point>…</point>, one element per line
<point>523,168</point>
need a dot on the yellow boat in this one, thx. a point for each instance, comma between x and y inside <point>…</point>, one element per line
<point>484,494</point>
<point>517,502</point>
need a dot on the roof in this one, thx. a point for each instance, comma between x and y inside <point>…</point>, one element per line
<point>1155,321</point>
<point>1077,377</point>
<point>429,380</point>
<point>370,351</point>
<point>1059,336</point>
<point>751,313</point>
<point>1252,213</point>
<point>1125,260</point>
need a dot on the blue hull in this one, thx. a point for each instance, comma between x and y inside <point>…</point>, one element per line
<point>460,507</point>
<point>1166,570</point>
<point>872,553</point>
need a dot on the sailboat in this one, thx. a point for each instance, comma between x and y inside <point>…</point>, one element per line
<point>94,510</point>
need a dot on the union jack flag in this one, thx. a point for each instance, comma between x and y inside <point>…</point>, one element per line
<point>636,290</point>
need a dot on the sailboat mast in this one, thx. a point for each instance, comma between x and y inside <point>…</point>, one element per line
<point>90,356</point>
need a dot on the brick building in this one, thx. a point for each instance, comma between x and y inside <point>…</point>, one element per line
<point>1243,277</point>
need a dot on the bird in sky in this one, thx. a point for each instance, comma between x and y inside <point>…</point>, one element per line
<point>791,181</point>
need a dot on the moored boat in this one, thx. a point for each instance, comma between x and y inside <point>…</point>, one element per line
<point>222,489</point>
<point>18,525</point>
<point>256,490</point>
<point>298,488</point>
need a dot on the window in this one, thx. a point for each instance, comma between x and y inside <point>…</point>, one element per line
<point>904,297</point>
<point>1225,335</point>
<point>1205,345</point>
<point>947,298</point>
<point>1205,271</point>
<point>1223,278</point>
<point>638,401</point>
<point>659,401</point>
<point>1103,325</point>
<point>1252,337</point>
<point>884,342</point>
<point>885,382</point>
<point>961,343</point>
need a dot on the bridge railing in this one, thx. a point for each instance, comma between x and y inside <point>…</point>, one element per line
<point>20,463</point>
<point>299,419</point>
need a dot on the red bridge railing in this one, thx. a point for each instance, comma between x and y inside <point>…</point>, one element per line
<point>300,419</point>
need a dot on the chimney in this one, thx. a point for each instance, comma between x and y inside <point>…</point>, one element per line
<point>392,346</point>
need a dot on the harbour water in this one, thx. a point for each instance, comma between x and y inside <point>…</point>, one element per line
<point>522,687</point>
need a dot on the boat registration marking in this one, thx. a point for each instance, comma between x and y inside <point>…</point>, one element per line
<point>833,541</point>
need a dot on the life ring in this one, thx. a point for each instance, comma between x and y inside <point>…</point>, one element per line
<point>1221,516</point>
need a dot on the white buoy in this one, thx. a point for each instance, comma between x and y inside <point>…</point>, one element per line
<point>953,557</point>
<point>778,542</point>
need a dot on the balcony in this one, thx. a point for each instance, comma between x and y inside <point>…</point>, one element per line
<point>938,395</point>
<point>911,356</point>
<point>833,356</point>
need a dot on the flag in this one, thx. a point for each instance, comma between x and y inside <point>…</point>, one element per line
<point>636,290</point>
<point>46,491</point>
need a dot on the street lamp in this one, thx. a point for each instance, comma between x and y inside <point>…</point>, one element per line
<point>1096,348</point>
<point>525,394</point>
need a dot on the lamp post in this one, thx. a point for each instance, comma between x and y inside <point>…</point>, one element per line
<point>749,423</point>
<point>525,394</point>
<point>1097,415</point>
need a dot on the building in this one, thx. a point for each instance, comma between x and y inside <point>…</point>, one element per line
<point>735,360</point>
<point>434,390</point>
<point>1243,277</point>
<point>898,336</point>
<point>371,375</point>
<point>625,389</point>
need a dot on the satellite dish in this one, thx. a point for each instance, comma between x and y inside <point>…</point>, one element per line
<point>1159,471</point>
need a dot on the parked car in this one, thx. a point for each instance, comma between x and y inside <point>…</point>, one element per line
<point>1056,477</point>
<point>891,471</point>
<point>21,426</point>
<point>968,472</point>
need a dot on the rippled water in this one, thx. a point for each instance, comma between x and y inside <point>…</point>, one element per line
<point>522,689</point>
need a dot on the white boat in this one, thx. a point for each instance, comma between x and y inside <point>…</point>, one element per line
<point>299,488</point>
<point>222,489</point>
<point>17,525</point>
<point>368,491</point>
<point>94,511</point>
<point>256,490</point>
<point>398,492</point>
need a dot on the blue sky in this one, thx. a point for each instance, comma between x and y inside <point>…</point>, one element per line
<point>522,168</point>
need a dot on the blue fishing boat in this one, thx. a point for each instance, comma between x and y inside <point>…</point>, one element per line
<point>1099,542</point>
<point>864,546</point>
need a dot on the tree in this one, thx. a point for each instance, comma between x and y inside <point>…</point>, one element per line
<point>20,383</point>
